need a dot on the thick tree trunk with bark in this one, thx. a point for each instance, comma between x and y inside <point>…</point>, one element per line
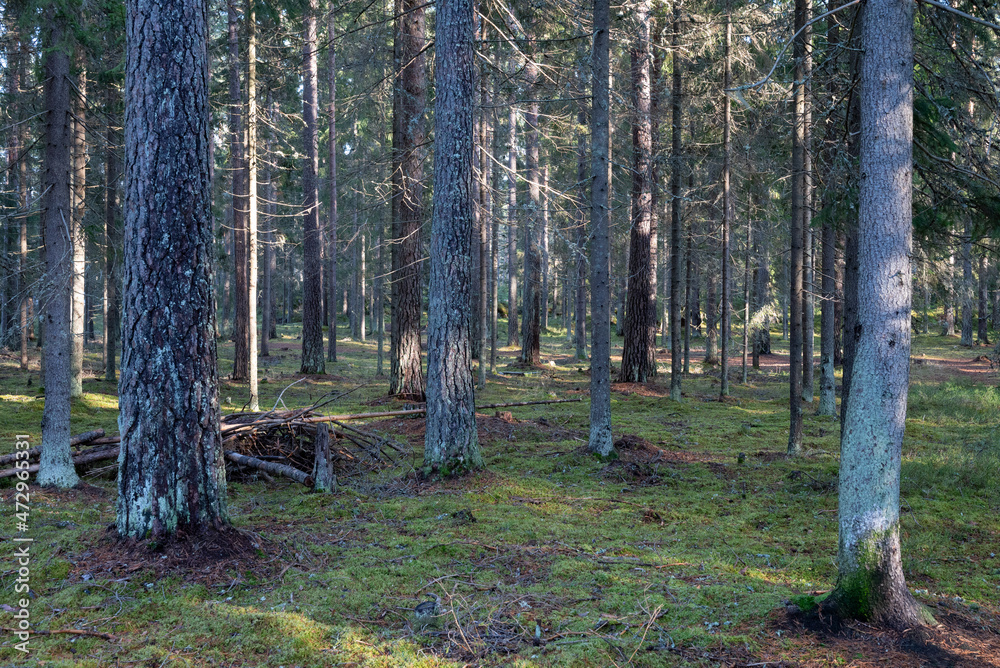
<point>600,442</point>
<point>171,474</point>
<point>405,373</point>
<point>313,358</point>
<point>870,584</point>
<point>451,444</point>
<point>638,348</point>
<point>56,465</point>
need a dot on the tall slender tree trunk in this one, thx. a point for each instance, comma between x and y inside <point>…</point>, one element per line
<point>796,269</point>
<point>171,474</point>
<point>982,335</point>
<point>313,358</point>
<point>827,379</point>
<point>267,291</point>
<point>451,444</point>
<point>967,284</point>
<point>405,374</point>
<point>78,207</point>
<point>600,442</point>
<point>675,208</point>
<point>638,348</point>
<point>252,204</point>
<point>497,203</point>
<point>485,220</point>
<point>532,316</point>
<point>690,302</point>
<point>580,310</point>
<point>332,255</point>
<point>544,238</point>
<point>240,204</point>
<point>870,584</point>
<point>513,332</point>
<point>808,254</point>
<point>113,230</point>
<point>56,465</point>
<point>948,278</point>
<point>727,212</point>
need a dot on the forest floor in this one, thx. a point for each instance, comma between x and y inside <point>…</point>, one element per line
<point>680,553</point>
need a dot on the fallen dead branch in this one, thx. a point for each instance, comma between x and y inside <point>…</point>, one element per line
<point>75,632</point>
<point>270,467</point>
<point>85,438</point>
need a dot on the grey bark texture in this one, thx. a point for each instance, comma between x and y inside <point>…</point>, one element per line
<point>870,583</point>
<point>56,464</point>
<point>451,444</point>
<point>171,474</point>
<point>600,442</point>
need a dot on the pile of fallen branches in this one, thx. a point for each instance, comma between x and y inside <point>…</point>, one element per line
<point>276,443</point>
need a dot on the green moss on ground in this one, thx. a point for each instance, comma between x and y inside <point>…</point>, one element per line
<point>550,557</point>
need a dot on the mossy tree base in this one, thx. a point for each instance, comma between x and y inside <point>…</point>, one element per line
<point>879,598</point>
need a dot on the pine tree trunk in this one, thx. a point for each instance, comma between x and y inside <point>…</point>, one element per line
<point>270,263</point>
<point>532,316</point>
<point>544,238</point>
<point>451,444</point>
<point>405,375</point>
<point>497,203</point>
<point>240,202</point>
<point>870,583</point>
<point>333,258</point>
<point>113,232</point>
<point>967,284</point>
<point>982,336</point>
<point>485,218</point>
<point>727,212</point>
<point>171,474</point>
<point>796,269</point>
<point>675,210</point>
<point>513,333</point>
<point>313,358</point>
<point>600,442</point>
<point>580,310</point>
<point>638,348</point>
<point>78,207</point>
<point>56,465</point>
<point>252,203</point>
